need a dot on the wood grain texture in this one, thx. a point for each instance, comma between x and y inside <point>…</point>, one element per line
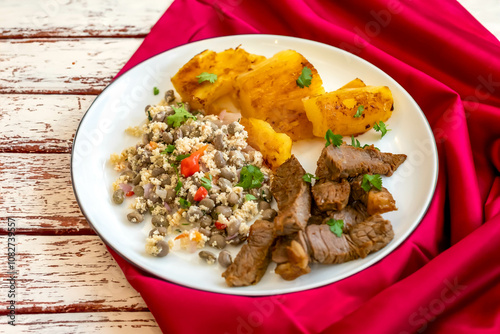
<point>62,66</point>
<point>65,18</point>
<point>67,274</point>
<point>35,189</point>
<point>84,323</point>
<point>40,123</point>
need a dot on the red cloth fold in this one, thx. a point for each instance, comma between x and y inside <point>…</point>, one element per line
<point>445,278</point>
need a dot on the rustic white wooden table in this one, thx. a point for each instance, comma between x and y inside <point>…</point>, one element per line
<point>55,57</point>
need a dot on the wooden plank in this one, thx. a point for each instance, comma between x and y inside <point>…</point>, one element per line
<point>62,18</point>
<point>62,66</point>
<point>36,190</point>
<point>83,323</point>
<point>67,274</point>
<point>40,123</point>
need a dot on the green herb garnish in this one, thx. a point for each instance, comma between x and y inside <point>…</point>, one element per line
<point>180,116</point>
<point>178,187</point>
<point>307,177</point>
<point>355,142</point>
<point>207,183</point>
<point>333,139</point>
<point>250,177</point>
<point>250,197</point>
<point>181,157</point>
<point>381,127</point>
<point>359,112</point>
<point>156,91</point>
<point>149,116</point>
<point>305,77</point>
<point>336,226</point>
<point>210,77</point>
<point>184,203</point>
<point>169,149</point>
<point>370,181</point>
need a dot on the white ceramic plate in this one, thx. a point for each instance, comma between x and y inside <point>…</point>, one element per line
<point>121,104</point>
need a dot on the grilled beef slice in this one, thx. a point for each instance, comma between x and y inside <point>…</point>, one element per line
<point>293,195</point>
<point>347,161</point>
<point>297,264</point>
<point>331,195</point>
<point>252,260</point>
<point>364,238</point>
<point>371,235</point>
<point>353,214</point>
<point>376,201</point>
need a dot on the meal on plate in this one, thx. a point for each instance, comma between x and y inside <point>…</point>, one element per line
<point>212,179</point>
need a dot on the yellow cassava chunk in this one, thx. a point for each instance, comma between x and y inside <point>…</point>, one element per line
<point>356,83</point>
<point>335,110</point>
<point>275,147</point>
<point>226,65</point>
<point>270,92</point>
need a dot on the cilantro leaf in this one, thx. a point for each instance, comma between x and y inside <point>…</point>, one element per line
<point>250,197</point>
<point>156,91</point>
<point>359,112</point>
<point>366,145</point>
<point>180,116</point>
<point>307,177</point>
<point>169,149</point>
<point>356,143</point>
<point>181,157</point>
<point>381,127</point>
<point>184,203</point>
<point>370,181</point>
<point>149,116</point>
<point>207,183</point>
<point>210,77</point>
<point>178,187</point>
<point>332,139</point>
<point>250,177</point>
<point>305,77</point>
<point>336,226</point>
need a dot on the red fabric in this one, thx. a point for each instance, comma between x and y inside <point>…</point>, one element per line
<point>445,278</point>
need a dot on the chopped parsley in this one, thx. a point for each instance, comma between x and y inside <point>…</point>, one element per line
<point>184,203</point>
<point>181,157</point>
<point>305,77</point>
<point>250,197</point>
<point>359,112</point>
<point>370,181</point>
<point>250,177</point>
<point>210,77</point>
<point>149,116</point>
<point>381,127</point>
<point>180,116</point>
<point>332,139</point>
<point>207,183</point>
<point>336,226</point>
<point>169,149</point>
<point>156,91</point>
<point>355,142</point>
<point>178,187</point>
<point>307,177</point>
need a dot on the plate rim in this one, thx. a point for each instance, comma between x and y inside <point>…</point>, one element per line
<point>239,292</point>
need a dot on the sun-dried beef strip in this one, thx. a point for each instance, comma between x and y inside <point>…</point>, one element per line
<point>293,195</point>
<point>252,260</point>
<point>376,201</point>
<point>348,161</point>
<point>331,195</point>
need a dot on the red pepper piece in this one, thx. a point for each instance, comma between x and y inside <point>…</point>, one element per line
<point>220,226</point>
<point>201,193</point>
<point>129,193</point>
<point>190,165</point>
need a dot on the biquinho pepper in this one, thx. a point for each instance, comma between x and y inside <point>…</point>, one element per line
<point>190,165</point>
<point>200,194</point>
